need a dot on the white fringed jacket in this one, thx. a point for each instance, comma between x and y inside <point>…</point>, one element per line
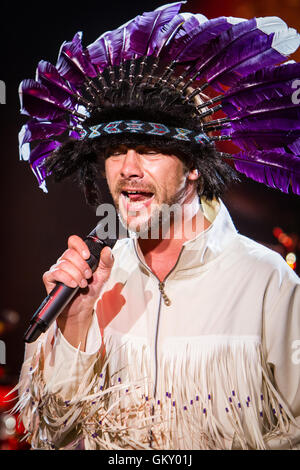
<point>217,367</point>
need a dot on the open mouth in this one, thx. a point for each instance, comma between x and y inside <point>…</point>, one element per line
<point>135,199</point>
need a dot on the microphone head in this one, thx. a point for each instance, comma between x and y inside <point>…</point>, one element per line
<point>108,231</point>
<point>98,239</point>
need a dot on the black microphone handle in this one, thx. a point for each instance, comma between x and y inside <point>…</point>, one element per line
<point>61,295</point>
<point>49,310</point>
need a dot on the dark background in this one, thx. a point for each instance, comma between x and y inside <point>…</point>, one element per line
<point>35,226</point>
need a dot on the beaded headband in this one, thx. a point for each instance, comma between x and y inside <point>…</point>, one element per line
<point>241,65</point>
<point>142,127</point>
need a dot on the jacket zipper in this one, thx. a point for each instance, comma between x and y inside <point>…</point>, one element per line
<point>161,286</point>
<point>167,302</point>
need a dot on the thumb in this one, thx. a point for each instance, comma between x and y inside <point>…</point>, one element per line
<point>106,262</point>
<point>106,259</point>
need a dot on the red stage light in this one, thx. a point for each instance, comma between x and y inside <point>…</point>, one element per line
<point>277,231</point>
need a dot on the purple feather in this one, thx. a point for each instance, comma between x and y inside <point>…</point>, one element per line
<point>37,101</point>
<point>72,64</point>
<point>43,150</point>
<point>37,160</point>
<point>248,54</point>
<point>233,105</point>
<point>275,169</point>
<point>279,104</point>
<point>118,44</point>
<point>259,140</point>
<point>267,76</point>
<point>266,84</point>
<point>213,49</point>
<point>295,147</point>
<point>245,48</point>
<point>187,43</point>
<point>181,26</point>
<point>166,34</point>
<point>99,53</point>
<point>280,114</point>
<point>136,38</point>
<point>262,51</point>
<point>147,28</point>
<point>111,48</point>
<point>41,130</point>
<point>281,122</point>
<point>192,23</point>
<point>48,75</point>
<point>73,133</point>
<point>40,172</point>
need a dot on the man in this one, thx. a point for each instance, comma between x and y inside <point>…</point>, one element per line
<point>184,339</point>
<point>131,170</point>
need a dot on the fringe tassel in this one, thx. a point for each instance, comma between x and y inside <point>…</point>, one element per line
<point>213,393</point>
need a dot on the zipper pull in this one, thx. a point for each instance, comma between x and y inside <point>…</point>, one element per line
<point>161,287</point>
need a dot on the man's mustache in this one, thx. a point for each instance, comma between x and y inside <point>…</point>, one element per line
<point>126,186</point>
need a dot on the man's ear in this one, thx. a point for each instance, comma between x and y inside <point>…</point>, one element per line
<point>193,175</point>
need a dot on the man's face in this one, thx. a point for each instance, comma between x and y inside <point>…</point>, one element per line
<point>141,180</point>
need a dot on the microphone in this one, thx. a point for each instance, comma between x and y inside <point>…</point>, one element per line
<point>61,295</point>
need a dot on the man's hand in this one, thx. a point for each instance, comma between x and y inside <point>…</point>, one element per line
<point>72,270</point>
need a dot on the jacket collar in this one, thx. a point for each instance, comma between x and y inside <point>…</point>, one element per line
<point>208,244</point>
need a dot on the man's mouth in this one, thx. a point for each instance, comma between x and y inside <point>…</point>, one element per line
<point>136,199</point>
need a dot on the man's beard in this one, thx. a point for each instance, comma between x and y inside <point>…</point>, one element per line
<point>157,224</point>
<point>144,229</point>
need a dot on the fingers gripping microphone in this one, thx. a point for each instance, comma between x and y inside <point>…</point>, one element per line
<point>61,295</point>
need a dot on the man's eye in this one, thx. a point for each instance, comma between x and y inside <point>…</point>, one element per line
<point>150,152</point>
<point>115,154</point>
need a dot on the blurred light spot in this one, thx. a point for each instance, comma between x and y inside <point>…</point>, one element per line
<point>291,260</point>
<point>10,424</point>
<point>277,231</point>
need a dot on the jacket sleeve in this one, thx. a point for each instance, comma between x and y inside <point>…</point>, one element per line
<point>54,378</point>
<point>281,333</point>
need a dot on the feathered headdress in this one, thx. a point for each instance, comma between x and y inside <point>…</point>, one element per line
<point>241,65</point>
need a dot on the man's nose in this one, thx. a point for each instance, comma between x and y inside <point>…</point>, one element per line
<point>132,167</point>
